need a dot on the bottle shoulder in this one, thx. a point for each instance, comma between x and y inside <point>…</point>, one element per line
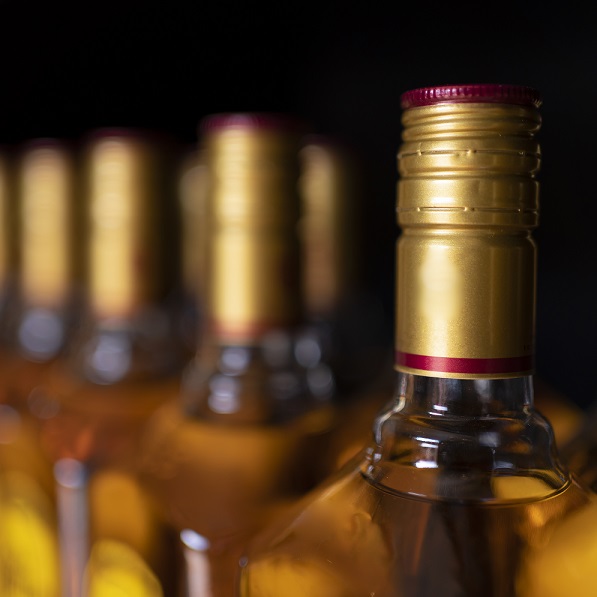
<point>494,458</point>
<point>460,478</point>
<point>352,537</point>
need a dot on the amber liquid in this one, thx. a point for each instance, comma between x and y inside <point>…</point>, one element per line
<point>28,538</point>
<point>225,480</point>
<point>580,452</point>
<point>130,547</point>
<point>19,425</point>
<point>354,538</point>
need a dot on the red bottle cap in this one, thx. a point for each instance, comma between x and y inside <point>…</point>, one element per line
<point>250,121</point>
<point>481,93</point>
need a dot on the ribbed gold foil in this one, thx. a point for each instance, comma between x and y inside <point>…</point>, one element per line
<point>328,186</point>
<point>253,267</point>
<point>466,262</point>
<point>46,185</point>
<point>125,242</point>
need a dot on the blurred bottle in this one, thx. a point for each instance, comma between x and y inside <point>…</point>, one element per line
<point>460,492</point>
<point>579,451</point>
<point>345,320</point>
<point>43,311</point>
<point>8,240</point>
<point>47,298</point>
<point>123,362</point>
<point>256,405</point>
<point>192,190</point>
<point>565,416</point>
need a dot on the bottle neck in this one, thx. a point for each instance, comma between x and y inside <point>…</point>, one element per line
<point>46,226</point>
<point>475,439</point>
<point>253,252</point>
<point>131,256</point>
<point>276,378</point>
<point>465,302</point>
<point>466,266</point>
<point>252,363</point>
<point>139,347</point>
<point>255,361</point>
<point>479,398</point>
<point>254,283</point>
<point>127,330</point>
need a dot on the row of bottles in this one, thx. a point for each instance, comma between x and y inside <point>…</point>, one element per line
<point>85,360</point>
<point>138,409</point>
<point>198,399</point>
<point>256,404</point>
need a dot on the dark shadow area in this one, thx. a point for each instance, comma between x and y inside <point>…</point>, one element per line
<point>68,68</point>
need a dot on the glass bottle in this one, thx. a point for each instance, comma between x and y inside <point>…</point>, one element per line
<point>256,403</point>
<point>192,189</point>
<point>35,332</point>
<point>345,320</point>
<point>8,249</point>
<point>47,296</point>
<point>123,362</point>
<point>460,491</point>
<point>336,296</point>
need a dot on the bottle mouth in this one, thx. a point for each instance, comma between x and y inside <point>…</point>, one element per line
<point>475,93</point>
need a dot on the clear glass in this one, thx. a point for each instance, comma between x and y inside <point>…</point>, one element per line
<point>458,493</point>
<point>92,407</point>
<point>247,436</point>
<point>345,316</point>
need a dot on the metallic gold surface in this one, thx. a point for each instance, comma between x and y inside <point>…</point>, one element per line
<point>328,190</point>
<point>46,182</point>
<point>466,262</point>
<point>125,252</point>
<point>254,251</point>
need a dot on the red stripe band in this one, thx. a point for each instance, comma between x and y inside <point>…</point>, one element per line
<point>464,365</point>
<point>245,331</point>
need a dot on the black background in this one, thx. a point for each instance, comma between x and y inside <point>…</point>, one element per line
<point>68,68</point>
